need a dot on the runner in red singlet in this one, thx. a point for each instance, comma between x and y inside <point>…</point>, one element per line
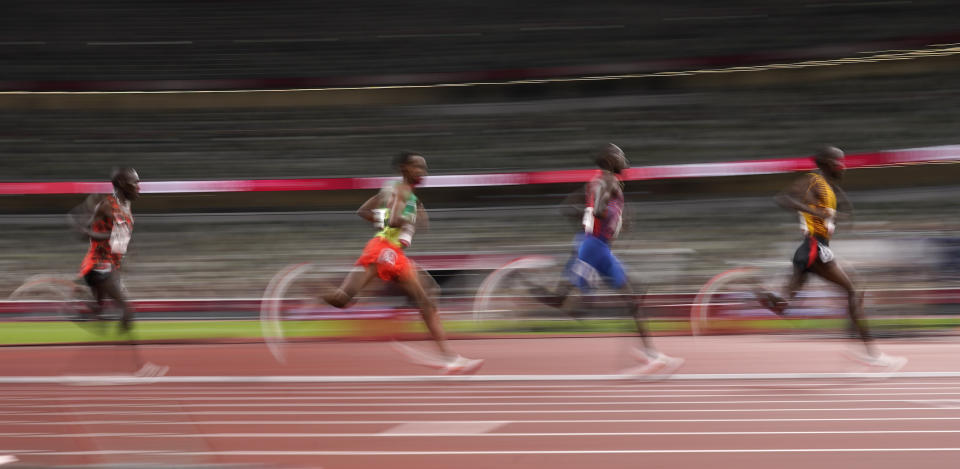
<point>108,222</point>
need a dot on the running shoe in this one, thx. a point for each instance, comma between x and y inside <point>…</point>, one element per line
<point>461,365</point>
<point>652,362</point>
<point>419,357</point>
<point>457,365</point>
<point>878,360</point>
<point>773,302</point>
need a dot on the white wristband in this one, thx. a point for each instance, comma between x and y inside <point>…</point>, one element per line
<point>406,235</point>
<point>588,220</point>
<point>379,214</point>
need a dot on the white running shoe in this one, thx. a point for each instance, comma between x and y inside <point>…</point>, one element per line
<point>457,365</point>
<point>462,366</point>
<point>419,357</point>
<point>878,360</point>
<point>653,362</point>
<point>644,356</point>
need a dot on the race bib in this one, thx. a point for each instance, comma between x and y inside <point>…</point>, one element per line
<point>387,256</point>
<point>826,255</point>
<point>120,237</point>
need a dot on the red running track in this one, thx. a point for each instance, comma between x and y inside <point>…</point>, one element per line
<point>724,421</point>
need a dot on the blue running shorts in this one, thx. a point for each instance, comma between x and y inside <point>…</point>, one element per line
<point>595,261</point>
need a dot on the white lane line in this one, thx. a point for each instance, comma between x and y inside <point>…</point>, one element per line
<point>245,404</point>
<point>940,403</point>
<point>531,421</point>
<point>459,395</point>
<point>52,385</point>
<point>468,378</point>
<point>94,435</point>
<point>48,382</point>
<point>21,414</point>
<point>490,453</point>
<point>415,395</point>
<point>443,428</point>
<point>466,431</point>
<point>145,394</point>
<point>137,43</point>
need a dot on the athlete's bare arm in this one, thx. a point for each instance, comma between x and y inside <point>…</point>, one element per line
<point>573,204</point>
<point>82,217</point>
<point>800,196</point>
<point>844,206</point>
<point>600,195</point>
<point>626,221</point>
<point>400,196</point>
<point>366,210</point>
<point>423,221</point>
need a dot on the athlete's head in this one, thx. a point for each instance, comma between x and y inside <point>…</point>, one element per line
<point>126,181</point>
<point>411,165</point>
<point>611,158</point>
<point>830,161</point>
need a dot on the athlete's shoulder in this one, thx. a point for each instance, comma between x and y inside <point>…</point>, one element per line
<point>820,182</point>
<point>95,198</point>
<point>601,178</point>
<point>609,181</point>
<point>402,190</point>
<point>807,180</point>
<point>99,203</point>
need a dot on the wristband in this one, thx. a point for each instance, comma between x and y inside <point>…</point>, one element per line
<point>588,220</point>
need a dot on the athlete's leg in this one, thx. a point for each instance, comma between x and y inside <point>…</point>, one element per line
<point>803,258</point>
<point>796,281</point>
<point>428,310</point>
<point>110,287</point>
<point>832,272</point>
<point>632,296</point>
<point>610,268</point>
<point>563,288</point>
<point>778,303</point>
<point>429,284</point>
<point>559,296</point>
<point>351,285</point>
<point>95,307</point>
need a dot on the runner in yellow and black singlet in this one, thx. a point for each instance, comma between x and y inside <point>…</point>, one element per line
<point>815,197</point>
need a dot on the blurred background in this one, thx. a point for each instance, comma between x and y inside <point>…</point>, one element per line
<point>215,90</point>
